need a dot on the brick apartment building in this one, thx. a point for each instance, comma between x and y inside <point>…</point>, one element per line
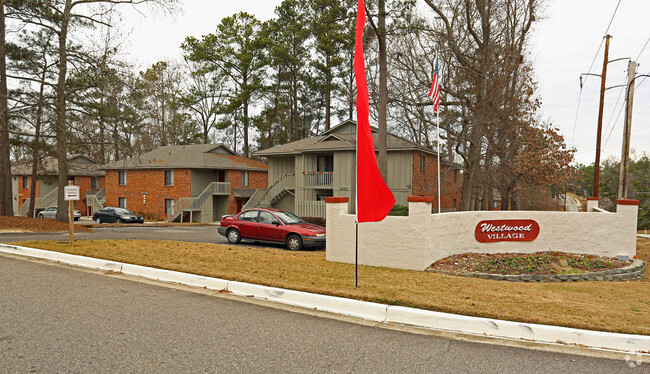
<point>187,182</point>
<point>83,171</point>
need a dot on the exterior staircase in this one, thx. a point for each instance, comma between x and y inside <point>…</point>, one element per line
<point>96,200</point>
<point>186,205</point>
<point>265,198</point>
<point>40,202</point>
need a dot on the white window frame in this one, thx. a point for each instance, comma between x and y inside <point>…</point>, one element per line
<point>121,202</point>
<point>121,177</point>
<point>169,172</point>
<point>244,179</point>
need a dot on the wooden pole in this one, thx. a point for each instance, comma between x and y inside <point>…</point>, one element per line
<point>71,217</point>
<point>627,130</point>
<point>600,117</point>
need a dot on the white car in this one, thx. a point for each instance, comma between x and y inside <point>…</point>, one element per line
<point>51,213</point>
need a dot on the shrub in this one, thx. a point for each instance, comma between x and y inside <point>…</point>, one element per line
<point>314,220</point>
<point>399,210</point>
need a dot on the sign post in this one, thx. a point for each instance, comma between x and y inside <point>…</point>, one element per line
<point>71,194</point>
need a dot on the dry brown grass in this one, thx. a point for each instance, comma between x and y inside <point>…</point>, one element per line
<point>607,306</point>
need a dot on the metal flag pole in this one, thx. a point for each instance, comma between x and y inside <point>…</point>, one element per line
<point>438,133</point>
<point>356,256</point>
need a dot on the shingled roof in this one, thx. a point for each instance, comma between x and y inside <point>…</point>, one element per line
<point>78,165</point>
<point>342,137</point>
<point>196,156</point>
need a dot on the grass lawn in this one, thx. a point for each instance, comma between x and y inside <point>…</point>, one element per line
<point>607,306</point>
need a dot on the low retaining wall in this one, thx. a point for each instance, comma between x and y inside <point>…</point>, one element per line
<point>417,241</point>
<point>635,271</point>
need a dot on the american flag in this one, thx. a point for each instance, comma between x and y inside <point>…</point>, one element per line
<point>434,93</point>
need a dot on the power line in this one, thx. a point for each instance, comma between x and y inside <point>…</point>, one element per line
<point>575,124</point>
<point>645,45</point>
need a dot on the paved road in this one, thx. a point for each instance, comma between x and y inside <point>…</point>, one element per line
<point>60,319</point>
<point>202,234</point>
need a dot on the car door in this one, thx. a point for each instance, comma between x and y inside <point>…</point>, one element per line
<point>247,224</point>
<point>49,212</point>
<point>269,227</point>
<point>107,215</point>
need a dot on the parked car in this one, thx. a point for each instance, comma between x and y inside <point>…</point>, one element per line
<point>272,226</point>
<point>116,215</point>
<point>51,213</point>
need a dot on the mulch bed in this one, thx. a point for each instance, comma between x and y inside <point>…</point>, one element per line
<point>27,224</point>
<point>540,263</point>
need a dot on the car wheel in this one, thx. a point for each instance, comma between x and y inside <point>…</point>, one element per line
<point>294,242</point>
<point>233,236</point>
<point>98,220</point>
<point>40,216</point>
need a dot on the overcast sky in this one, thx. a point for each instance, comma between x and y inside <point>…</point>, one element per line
<point>565,43</point>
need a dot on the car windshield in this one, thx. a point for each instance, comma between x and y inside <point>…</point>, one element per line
<point>288,218</point>
<point>123,211</point>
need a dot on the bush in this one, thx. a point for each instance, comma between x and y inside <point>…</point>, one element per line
<point>314,220</point>
<point>399,210</point>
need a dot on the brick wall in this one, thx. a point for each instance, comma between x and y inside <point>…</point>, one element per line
<point>256,180</point>
<point>145,190</point>
<point>85,183</point>
<point>425,183</point>
<point>23,193</point>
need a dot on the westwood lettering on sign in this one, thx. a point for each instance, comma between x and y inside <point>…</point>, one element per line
<point>508,230</point>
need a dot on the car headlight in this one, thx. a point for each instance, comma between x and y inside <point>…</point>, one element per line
<point>320,235</point>
<point>125,217</point>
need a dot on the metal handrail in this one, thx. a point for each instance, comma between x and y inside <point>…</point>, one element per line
<point>196,203</point>
<point>284,182</point>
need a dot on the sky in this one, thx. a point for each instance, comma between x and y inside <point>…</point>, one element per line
<point>565,43</point>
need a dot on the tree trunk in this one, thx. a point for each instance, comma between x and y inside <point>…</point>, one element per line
<point>61,136</point>
<point>5,163</point>
<point>36,144</point>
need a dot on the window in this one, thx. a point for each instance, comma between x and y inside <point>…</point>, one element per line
<point>122,202</point>
<point>122,177</point>
<point>169,204</point>
<point>249,215</point>
<point>268,218</point>
<point>495,204</point>
<point>422,163</point>
<point>454,204</point>
<point>321,197</point>
<point>94,183</point>
<point>325,163</point>
<point>169,177</point>
<point>25,182</point>
<point>244,179</point>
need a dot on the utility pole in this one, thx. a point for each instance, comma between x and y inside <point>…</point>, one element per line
<point>625,153</point>
<point>600,117</point>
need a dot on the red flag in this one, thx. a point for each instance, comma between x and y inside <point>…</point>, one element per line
<point>434,93</point>
<point>374,199</point>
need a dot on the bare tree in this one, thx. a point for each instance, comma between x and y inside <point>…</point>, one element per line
<point>62,16</point>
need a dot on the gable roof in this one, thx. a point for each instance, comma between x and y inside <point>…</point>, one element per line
<point>342,137</point>
<point>78,165</point>
<point>195,156</point>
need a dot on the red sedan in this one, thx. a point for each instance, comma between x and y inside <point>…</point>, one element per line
<point>273,226</point>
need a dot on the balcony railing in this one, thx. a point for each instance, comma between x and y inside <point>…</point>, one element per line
<point>318,179</point>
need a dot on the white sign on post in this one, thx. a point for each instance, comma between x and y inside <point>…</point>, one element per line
<point>71,193</point>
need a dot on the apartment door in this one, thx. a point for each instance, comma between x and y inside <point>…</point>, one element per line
<point>325,167</point>
<point>221,175</point>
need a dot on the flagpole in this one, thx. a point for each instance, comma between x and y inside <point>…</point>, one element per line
<point>356,257</point>
<point>438,144</point>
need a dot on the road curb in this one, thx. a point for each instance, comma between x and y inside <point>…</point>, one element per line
<point>366,310</point>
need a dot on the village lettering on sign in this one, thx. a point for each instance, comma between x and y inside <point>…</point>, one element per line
<point>507,230</point>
